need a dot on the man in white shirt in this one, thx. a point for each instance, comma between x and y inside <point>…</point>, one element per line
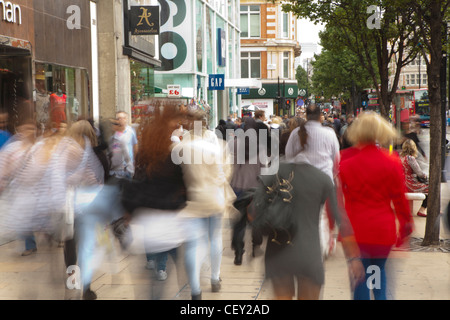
<point>322,151</point>
<point>322,147</point>
<point>127,134</point>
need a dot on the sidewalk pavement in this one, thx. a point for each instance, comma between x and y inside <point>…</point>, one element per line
<point>413,275</point>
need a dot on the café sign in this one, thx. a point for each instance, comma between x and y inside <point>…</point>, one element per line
<point>10,12</point>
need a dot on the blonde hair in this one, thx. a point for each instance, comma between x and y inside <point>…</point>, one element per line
<point>409,148</point>
<point>369,128</point>
<point>81,129</point>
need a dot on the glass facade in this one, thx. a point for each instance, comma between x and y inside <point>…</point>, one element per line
<point>61,94</point>
<point>202,54</point>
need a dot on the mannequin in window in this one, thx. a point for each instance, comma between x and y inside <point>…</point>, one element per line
<point>42,101</point>
<point>58,107</point>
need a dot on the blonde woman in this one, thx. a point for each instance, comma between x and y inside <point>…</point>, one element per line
<point>372,179</point>
<point>413,173</point>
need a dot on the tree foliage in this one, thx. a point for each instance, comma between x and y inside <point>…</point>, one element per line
<point>362,32</point>
<point>337,70</point>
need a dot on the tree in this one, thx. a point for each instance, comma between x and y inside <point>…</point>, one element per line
<point>429,23</point>
<point>302,79</point>
<point>338,72</point>
<point>386,34</point>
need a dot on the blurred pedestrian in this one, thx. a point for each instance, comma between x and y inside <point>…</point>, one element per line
<point>12,158</point>
<point>127,134</point>
<point>209,197</point>
<point>293,123</point>
<point>86,175</point>
<point>221,129</point>
<point>246,169</point>
<point>121,164</point>
<point>416,179</point>
<point>344,143</point>
<point>319,144</point>
<point>374,189</point>
<point>159,193</point>
<point>4,133</point>
<point>293,254</point>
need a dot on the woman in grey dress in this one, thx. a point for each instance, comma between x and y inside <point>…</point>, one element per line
<point>297,257</point>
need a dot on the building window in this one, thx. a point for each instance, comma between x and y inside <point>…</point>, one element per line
<point>407,79</point>
<point>61,94</point>
<point>250,21</point>
<point>424,78</point>
<point>413,78</point>
<point>250,65</point>
<point>285,25</point>
<point>286,64</point>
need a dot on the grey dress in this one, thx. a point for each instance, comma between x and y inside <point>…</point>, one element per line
<point>311,189</point>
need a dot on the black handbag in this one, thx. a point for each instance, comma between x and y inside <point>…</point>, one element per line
<point>422,180</point>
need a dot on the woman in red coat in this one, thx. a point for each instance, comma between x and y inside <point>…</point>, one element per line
<point>372,179</point>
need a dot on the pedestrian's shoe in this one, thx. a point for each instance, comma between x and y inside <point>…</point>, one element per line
<point>216,286</point>
<point>89,295</point>
<point>197,296</point>
<point>421,213</point>
<point>28,252</point>
<point>238,257</point>
<point>161,275</point>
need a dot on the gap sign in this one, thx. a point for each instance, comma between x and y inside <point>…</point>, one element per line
<point>216,82</point>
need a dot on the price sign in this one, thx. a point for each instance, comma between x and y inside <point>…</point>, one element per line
<point>173,90</point>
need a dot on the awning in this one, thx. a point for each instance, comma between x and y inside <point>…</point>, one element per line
<point>243,83</point>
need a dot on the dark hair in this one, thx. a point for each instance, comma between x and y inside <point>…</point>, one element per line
<point>312,113</point>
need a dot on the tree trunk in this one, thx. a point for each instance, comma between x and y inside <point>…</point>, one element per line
<point>433,70</point>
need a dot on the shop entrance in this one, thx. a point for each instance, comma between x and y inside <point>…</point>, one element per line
<point>15,85</point>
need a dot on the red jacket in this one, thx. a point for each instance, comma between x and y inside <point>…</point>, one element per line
<point>371,180</point>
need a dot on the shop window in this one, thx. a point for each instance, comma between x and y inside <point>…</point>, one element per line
<point>61,95</point>
<point>15,87</point>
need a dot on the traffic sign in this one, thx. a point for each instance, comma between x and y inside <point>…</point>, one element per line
<point>173,90</point>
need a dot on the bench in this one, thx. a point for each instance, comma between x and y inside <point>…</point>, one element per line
<point>411,197</point>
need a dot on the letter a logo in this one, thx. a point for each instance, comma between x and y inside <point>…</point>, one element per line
<point>74,21</point>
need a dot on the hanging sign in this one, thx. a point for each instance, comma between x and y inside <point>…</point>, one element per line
<point>144,20</point>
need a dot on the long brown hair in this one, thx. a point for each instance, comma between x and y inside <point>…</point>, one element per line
<point>155,143</point>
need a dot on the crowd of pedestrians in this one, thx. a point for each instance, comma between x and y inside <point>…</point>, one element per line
<point>179,179</point>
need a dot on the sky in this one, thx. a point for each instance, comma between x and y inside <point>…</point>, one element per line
<point>308,37</point>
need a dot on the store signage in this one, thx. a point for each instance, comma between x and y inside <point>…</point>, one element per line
<point>221,47</point>
<point>173,90</point>
<point>243,90</point>
<point>11,12</point>
<point>144,20</point>
<point>216,82</point>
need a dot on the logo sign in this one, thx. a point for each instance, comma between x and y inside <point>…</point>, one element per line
<point>243,90</point>
<point>11,12</point>
<point>221,47</point>
<point>216,82</point>
<point>173,90</point>
<point>302,92</point>
<point>144,20</point>
<point>262,91</point>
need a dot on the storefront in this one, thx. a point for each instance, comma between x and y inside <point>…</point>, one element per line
<point>45,61</point>
<point>266,98</point>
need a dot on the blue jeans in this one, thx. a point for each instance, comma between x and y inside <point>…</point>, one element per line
<point>209,232</point>
<point>160,258</point>
<point>30,241</point>
<point>374,260</point>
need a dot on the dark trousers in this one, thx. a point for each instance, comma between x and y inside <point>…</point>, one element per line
<point>239,228</point>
